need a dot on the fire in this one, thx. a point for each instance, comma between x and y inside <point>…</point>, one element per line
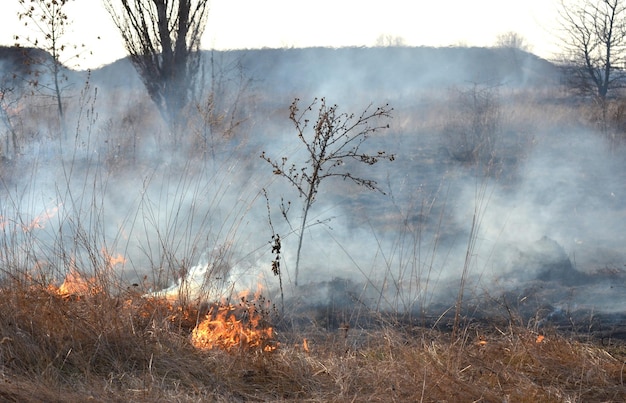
<point>76,284</point>
<point>111,260</point>
<point>40,221</point>
<point>230,327</point>
<point>305,345</point>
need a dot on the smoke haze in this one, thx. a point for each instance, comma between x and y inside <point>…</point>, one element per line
<point>547,201</point>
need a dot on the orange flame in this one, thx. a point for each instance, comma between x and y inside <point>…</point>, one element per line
<point>222,329</point>
<point>111,260</point>
<point>75,285</point>
<point>39,221</point>
<point>305,345</point>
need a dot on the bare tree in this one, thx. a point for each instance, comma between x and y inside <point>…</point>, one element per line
<point>595,44</point>
<point>388,40</point>
<point>512,40</point>
<point>10,99</point>
<point>514,46</point>
<point>472,127</point>
<point>162,38</point>
<point>49,22</point>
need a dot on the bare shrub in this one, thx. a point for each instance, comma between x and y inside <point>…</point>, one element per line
<point>332,141</point>
<point>471,131</point>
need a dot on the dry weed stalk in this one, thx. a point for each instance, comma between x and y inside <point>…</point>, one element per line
<point>335,140</point>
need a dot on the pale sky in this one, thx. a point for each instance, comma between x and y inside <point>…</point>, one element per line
<point>236,24</point>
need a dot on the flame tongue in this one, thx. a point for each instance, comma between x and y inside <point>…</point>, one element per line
<point>76,284</point>
<point>228,327</point>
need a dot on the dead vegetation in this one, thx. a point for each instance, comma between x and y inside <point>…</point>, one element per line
<point>102,347</point>
<point>89,343</point>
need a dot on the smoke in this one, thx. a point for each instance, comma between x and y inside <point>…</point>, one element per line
<point>548,217</point>
<point>569,190</point>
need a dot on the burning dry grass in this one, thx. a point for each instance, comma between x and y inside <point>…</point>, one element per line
<point>222,328</point>
<point>101,347</point>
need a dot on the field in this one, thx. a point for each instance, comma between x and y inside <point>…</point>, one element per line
<point>141,263</point>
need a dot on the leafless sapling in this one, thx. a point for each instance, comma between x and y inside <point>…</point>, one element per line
<point>10,98</point>
<point>49,21</point>
<point>331,141</point>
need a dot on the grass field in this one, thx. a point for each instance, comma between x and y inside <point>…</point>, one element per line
<point>138,267</point>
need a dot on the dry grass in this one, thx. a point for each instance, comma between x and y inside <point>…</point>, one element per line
<point>122,347</point>
<point>127,348</point>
